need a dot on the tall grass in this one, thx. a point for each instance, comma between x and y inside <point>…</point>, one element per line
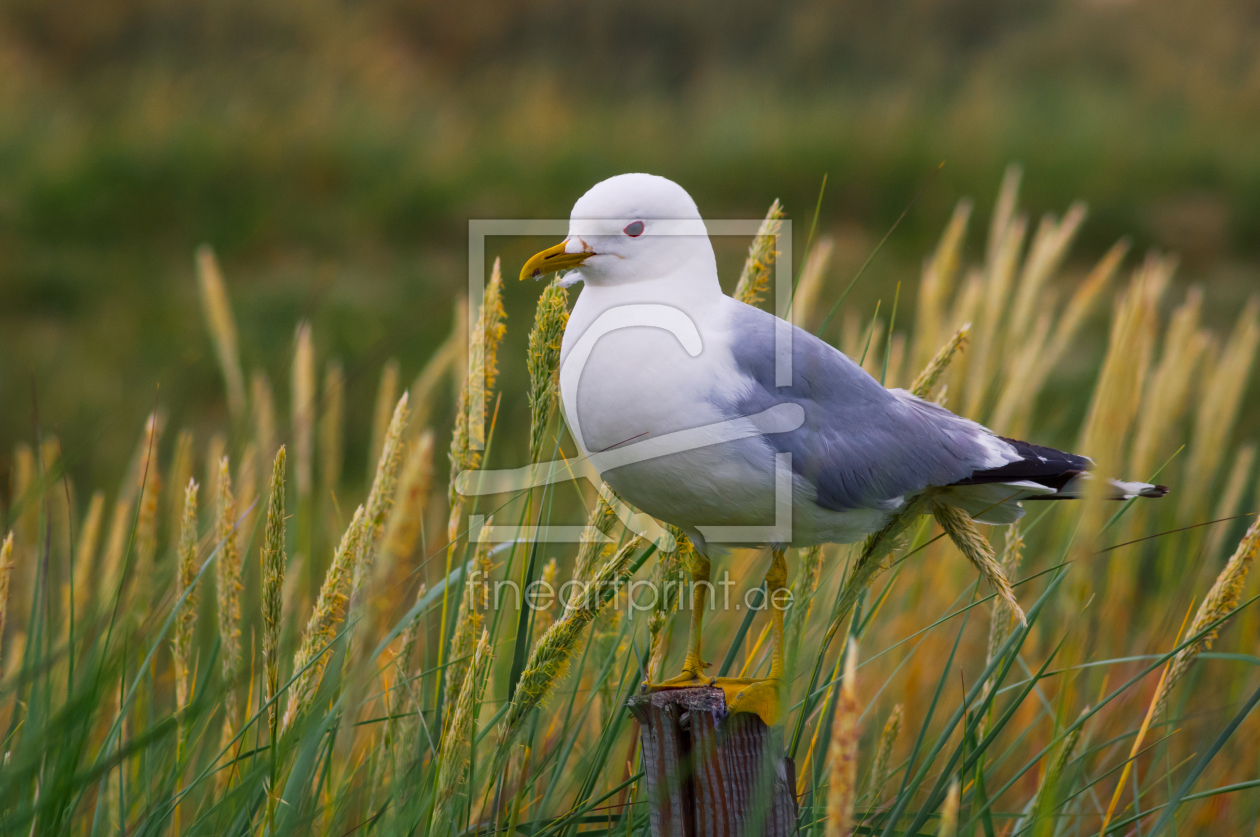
<point>185,659</point>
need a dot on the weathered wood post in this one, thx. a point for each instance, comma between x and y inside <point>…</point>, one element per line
<point>710,773</point>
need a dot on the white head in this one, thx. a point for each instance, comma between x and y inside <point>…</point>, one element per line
<point>630,228</point>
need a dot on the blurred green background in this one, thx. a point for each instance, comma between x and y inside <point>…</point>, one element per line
<point>332,154</point>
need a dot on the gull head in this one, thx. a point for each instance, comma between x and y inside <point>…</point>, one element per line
<point>626,229</point>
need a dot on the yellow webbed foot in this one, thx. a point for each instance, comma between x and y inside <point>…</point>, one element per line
<point>691,676</point>
<point>760,697</point>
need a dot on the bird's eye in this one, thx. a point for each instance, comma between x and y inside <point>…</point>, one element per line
<point>634,229</point>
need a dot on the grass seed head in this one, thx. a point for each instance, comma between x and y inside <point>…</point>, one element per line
<point>468,440</point>
<point>552,654</point>
<point>185,577</point>
<point>457,742</point>
<point>931,374</point>
<point>303,407</point>
<point>881,767</point>
<point>332,430</point>
<point>754,280</point>
<point>1218,410</point>
<point>229,587</point>
<point>272,559</point>
<point>6,573</point>
<point>543,362</point>
<point>973,545</point>
<point>214,301</point>
<point>842,752</point>
<point>386,398</point>
<point>949,810</point>
<point>937,283</point>
<point>263,407</point>
<point>1222,598</point>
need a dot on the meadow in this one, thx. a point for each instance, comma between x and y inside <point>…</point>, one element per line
<point>235,635</point>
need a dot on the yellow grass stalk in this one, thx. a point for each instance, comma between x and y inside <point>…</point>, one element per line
<point>1219,405</point>
<point>1220,600</point>
<point>842,752</point>
<point>1049,247</point>
<point>468,440</point>
<point>998,277</point>
<point>871,560</point>
<point>216,448</point>
<point>1231,498</point>
<point>965,309</point>
<point>469,619</point>
<point>246,491</point>
<point>402,693</point>
<point>936,366</point>
<point>881,767</point>
<point>1033,359</point>
<point>147,514</point>
<point>448,361</point>
<point>228,587</point>
<point>754,280</point>
<point>263,403</point>
<point>1003,210</point>
<point>1165,401</point>
<point>214,300</point>
<point>332,430</point>
<point>402,529</point>
<point>599,524</point>
<point>1017,395</point>
<point>949,810</point>
<point>963,532</point>
<point>545,614</point>
<point>6,573</point>
<point>1003,618</point>
<point>808,571</point>
<point>272,559</point>
<point>303,408</point>
<point>186,621</point>
<point>115,546</point>
<point>937,285</point>
<point>543,362</point>
<point>552,654</point>
<point>355,547</point>
<point>457,742</point>
<point>386,397</point>
<point>326,616</point>
<point>85,556</point>
<point>810,285</point>
<point>180,473</point>
<point>58,496</point>
<point>1117,395</point>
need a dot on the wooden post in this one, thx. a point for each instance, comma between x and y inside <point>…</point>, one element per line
<point>705,768</point>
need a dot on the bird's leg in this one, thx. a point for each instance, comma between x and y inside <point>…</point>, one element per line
<point>763,697</point>
<point>693,666</point>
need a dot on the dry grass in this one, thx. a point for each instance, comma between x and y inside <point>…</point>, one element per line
<point>336,727</point>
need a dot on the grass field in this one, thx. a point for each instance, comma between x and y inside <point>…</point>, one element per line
<point>234,634</point>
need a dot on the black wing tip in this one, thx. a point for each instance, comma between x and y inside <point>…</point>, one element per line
<point>1155,491</point>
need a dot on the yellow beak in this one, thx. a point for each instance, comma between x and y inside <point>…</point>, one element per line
<point>553,259</point>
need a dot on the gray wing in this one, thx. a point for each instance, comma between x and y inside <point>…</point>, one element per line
<point>861,445</point>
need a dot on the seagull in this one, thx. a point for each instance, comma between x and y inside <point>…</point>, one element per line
<point>719,417</point>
